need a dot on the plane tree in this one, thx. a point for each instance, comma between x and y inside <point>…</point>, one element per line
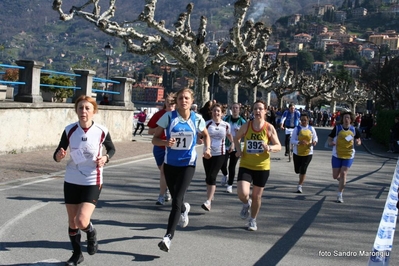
<point>309,87</point>
<point>180,47</point>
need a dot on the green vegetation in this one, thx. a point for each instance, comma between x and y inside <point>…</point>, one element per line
<point>384,121</point>
<point>59,93</point>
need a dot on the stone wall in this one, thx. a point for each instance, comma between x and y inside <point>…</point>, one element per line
<point>32,126</point>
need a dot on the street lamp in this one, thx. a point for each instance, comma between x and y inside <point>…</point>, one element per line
<point>108,52</point>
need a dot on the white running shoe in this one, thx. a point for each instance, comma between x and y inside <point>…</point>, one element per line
<point>245,210</point>
<point>164,245</point>
<point>229,189</point>
<point>206,206</point>
<point>252,225</point>
<point>167,195</point>
<point>299,189</point>
<point>184,216</point>
<point>340,199</point>
<point>223,182</point>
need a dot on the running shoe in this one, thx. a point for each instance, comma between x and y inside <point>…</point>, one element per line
<point>77,257</point>
<point>206,206</point>
<point>164,245</point>
<point>167,196</point>
<point>229,189</point>
<point>184,216</point>
<point>245,209</point>
<point>299,189</point>
<point>252,225</point>
<point>161,200</point>
<point>340,199</point>
<point>92,244</point>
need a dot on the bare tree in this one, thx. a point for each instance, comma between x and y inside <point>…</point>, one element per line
<point>182,44</point>
<point>356,94</point>
<point>310,88</point>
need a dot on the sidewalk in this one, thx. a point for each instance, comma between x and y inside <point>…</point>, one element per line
<point>41,163</point>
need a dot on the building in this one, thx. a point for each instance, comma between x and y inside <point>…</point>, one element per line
<point>391,39</point>
<point>354,70</point>
<point>302,38</point>
<point>294,19</point>
<point>149,89</point>
<point>367,53</point>
<point>359,12</point>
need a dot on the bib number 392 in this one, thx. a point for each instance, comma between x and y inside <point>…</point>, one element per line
<point>254,146</point>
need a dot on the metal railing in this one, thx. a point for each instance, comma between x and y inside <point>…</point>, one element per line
<point>95,79</point>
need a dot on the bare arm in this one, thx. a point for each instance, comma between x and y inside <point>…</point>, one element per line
<point>157,141</point>
<point>230,137</point>
<point>151,130</point>
<point>239,135</point>
<point>331,142</point>
<point>207,144</point>
<point>276,146</point>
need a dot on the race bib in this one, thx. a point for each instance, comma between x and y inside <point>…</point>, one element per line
<point>184,140</point>
<point>78,156</point>
<point>254,146</point>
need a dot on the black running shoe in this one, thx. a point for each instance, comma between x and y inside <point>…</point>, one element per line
<point>92,245</point>
<point>75,259</point>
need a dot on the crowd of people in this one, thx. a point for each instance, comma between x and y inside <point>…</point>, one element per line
<point>239,134</point>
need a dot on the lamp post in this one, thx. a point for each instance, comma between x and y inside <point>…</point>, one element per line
<point>213,82</point>
<point>108,52</point>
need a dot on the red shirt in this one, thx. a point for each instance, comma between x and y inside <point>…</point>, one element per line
<point>153,123</point>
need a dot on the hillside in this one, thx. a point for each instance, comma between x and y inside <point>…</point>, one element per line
<point>32,30</point>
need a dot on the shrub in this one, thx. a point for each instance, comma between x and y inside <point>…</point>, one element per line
<point>59,93</point>
<point>12,74</point>
<point>383,123</point>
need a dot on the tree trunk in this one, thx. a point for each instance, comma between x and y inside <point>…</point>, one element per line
<point>232,95</point>
<point>201,91</point>
<point>281,103</point>
<point>354,104</point>
<point>333,106</point>
<point>253,95</point>
<point>235,93</point>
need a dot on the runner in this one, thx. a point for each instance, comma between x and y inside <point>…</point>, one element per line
<point>343,137</point>
<point>255,161</point>
<point>303,138</point>
<point>84,173</point>
<point>181,127</point>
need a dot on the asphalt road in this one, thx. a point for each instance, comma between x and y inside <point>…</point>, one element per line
<point>293,229</point>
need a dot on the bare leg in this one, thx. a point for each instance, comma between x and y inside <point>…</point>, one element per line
<point>256,200</point>
<point>210,192</point>
<point>162,181</point>
<point>243,190</point>
<point>301,179</point>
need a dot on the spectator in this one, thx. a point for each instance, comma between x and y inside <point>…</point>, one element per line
<point>358,120</point>
<point>194,108</point>
<point>205,111</point>
<point>105,100</point>
<point>325,119</point>
<point>142,116</point>
<point>365,126</point>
